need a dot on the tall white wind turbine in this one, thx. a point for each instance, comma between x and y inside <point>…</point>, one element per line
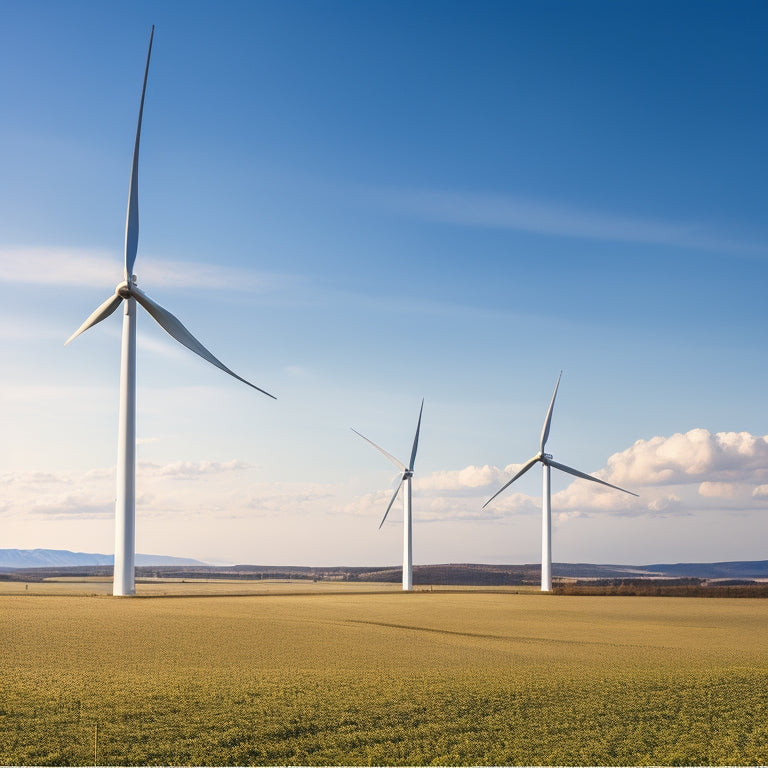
<point>546,506</point>
<point>405,483</point>
<point>127,291</point>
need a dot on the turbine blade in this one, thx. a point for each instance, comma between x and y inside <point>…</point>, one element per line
<point>398,464</point>
<point>399,486</point>
<point>416,439</point>
<point>105,310</point>
<point>585,476</point>
<point>132,215</point>
<point>174,327</point>
<point>528,464</point>
<point>548,419</point>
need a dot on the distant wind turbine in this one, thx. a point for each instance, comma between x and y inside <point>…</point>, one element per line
<point>128,292</point>
<point>405,480</point>
<point>546,504</point>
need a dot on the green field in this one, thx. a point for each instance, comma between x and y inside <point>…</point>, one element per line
<point>207,674</point>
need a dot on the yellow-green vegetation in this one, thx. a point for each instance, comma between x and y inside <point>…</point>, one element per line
<point>381,677</point>
<point>189,587</point>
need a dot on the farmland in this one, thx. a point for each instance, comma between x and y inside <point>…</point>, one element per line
<point>260,673</point>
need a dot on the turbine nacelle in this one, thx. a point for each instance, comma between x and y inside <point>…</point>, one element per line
<point>547,460</point>
<point>125,289</point>
<point>405,480</point>
<point>169,323</point>
<point>406,470</point>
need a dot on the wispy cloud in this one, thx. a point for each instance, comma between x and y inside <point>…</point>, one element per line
<point>102,269</point>
<point>193,468</point>
<point>52,495</point>
<point>27,329</point>
<point>679,475</point>
<point>514,213</point>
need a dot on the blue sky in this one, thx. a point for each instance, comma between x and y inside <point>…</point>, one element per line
<point>357,205</point>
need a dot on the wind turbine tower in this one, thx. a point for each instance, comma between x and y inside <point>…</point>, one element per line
<point>128,291</point>
<point>405,484</point>
<point>547,461</point>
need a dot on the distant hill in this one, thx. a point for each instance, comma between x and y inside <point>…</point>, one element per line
<point>42,563</point>
<point>756,569</point>
<point>739,569</point>
<point>62,558</point>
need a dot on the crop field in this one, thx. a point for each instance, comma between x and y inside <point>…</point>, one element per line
<point>208,674</point>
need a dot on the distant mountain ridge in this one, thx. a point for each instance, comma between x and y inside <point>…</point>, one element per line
<point>452,573</point>
<point>63,558</point>
<point>735,569</point>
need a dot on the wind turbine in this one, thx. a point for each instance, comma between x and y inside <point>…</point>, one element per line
<point>405,480</point>
<point>546,506</point>
<point>127,291</point>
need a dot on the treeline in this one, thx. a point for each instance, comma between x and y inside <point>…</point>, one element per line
<point>446,574</point>
<point>453,574</point>
<point>664,588</point>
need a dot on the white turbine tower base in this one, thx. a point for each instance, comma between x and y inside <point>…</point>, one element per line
<point>546,501</point>
<point>125,502</point>
<point>546,530</point>
<point>127,291</point>
<point>405,484</point>
<point>407,537</point>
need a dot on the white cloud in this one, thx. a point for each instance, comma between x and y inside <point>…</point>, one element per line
<point>713,474</point>
<point>514,213</point>
<point>102,269</point>
<point>191,468</point>
<point>203,489</point>
<point>693,457</point>
<point>28,329</point>
<point>565,517</point>
<point>469,477</point>
<point>674,476</point>
<point>663,505</point>
<point>591,498</point>
<point>57,495</point>
<point>59,266</point>
<point>717,490</point>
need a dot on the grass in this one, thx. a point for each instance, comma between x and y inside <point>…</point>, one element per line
<point>366,676</point>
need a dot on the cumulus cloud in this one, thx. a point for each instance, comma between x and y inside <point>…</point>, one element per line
<point>33,478</point>
<point>57,495</point>
<point>676,475</point>
<point>693,457</point>
<point>564,517</point>
<point>592,498</point>
<point>717,490</point>
<point>680,475</point>
<point>469,477</point>
<point>201,490</point>
<point>663,505</point>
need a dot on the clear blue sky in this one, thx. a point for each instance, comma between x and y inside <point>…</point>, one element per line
<point>359,204</point>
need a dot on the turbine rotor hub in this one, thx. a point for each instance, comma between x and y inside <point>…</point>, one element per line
<point>124,289</point>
